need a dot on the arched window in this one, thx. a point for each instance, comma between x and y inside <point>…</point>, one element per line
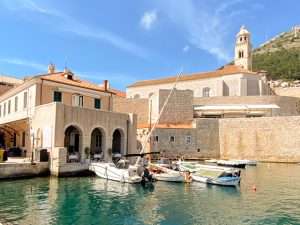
<point>206,92</point>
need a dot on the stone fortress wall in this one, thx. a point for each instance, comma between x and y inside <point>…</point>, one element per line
<point>265,139</point>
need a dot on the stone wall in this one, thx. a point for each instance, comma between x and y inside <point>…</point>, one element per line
<point>19,170</point>
<point>179,108</point>
<point>288,91</point>
<point>60,167</point>
<point>204,140</point>
<point>264,139</point>
<point>140,107</point>
<point>289,106</point>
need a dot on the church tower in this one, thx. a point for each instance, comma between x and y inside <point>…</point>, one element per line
<point>243,49</point>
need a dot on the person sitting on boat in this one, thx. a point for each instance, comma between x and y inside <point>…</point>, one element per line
<point>188,177</point>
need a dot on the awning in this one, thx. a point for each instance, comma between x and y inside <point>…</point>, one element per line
<point>237,107</point>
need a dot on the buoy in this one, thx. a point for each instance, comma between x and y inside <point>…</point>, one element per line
<point>254,188</point>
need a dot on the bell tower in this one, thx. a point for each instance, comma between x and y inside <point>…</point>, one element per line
<point>243,49</point>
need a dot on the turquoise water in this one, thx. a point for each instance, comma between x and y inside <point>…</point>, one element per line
<point>91,200</point>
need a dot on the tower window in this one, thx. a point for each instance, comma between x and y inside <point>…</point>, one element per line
<point>241,38</point>
<point>241,54</point>
<point>245,38</point>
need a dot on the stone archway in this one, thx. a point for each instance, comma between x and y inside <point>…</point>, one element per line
<point>97,146</point>
<point>73,143</point>
<point>118,142</point>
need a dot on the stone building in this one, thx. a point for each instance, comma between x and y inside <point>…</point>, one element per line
<point>73,119</point>
<point>205,108</point>
<point>229,80</point>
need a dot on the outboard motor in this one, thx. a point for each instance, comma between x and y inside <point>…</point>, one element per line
<point>147,177</point>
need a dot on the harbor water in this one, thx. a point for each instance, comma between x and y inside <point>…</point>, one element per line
<point>91,200</point>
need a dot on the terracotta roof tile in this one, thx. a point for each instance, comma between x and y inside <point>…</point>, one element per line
<point>223,71</point>
<point>61,78</point>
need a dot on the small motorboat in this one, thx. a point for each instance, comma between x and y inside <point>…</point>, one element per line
<point>232,163</point>
<point>110,171</point>
<point>212,174</point>
<point>161,173</point>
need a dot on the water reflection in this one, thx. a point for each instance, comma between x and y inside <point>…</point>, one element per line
<point>97,201</point>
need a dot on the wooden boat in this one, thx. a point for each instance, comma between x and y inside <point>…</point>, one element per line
<point>232,163</point>
<point>161,173</point>
<point>212,174</point>
<point>110,171</point>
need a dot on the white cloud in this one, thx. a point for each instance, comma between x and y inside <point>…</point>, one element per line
<point>26,63</point>
<point>206,25</point>
<point>148,19</point>
<point>186,48</point>
<point>69,24</point>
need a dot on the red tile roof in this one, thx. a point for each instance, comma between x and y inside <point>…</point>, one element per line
<point>61,77</point>
<point>223,71</point>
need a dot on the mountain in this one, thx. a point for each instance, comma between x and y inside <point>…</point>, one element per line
<point>280,56</point>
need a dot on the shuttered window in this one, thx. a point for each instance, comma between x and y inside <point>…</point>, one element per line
<point>97,103</point>
<point>57,96</point>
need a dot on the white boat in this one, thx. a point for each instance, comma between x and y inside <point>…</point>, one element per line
<point>110,171</point>
<point>211,174</point>
<point>161,173</point>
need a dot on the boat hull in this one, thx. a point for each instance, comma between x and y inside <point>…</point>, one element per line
<point>169,178</point>
<point>110,172</point>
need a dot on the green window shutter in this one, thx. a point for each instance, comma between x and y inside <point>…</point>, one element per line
<point>57,96</point>
<point>97,103</point>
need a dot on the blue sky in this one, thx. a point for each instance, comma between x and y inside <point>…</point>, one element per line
<point>125,41</point>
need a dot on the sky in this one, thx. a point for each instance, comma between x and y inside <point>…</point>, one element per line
<point>126,41</point>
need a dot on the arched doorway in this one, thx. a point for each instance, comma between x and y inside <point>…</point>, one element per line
<point>97,143</point>
<point>73,141</point>
<point>117,143</point>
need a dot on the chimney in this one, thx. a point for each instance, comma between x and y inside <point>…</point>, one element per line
<point>106,85</point>
<point>51,68</point>
<point>68,74</point>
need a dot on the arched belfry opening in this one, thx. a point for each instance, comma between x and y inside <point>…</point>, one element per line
<point>73,142</point>
<point>118,142</point>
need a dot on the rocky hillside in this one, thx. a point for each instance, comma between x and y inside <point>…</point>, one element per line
<point>280,56</point>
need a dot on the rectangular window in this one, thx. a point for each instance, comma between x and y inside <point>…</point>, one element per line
<point>4,109</point>
<point>97,103</point>
<point>23,138</point>
<point>25,100</point>
<point>156,138</point>
<point>16,103</point>
<point>8,107</point>
<point>172,139</point>
<point>57,96</point>
<point>77,100</point>
<point>188,140</point>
